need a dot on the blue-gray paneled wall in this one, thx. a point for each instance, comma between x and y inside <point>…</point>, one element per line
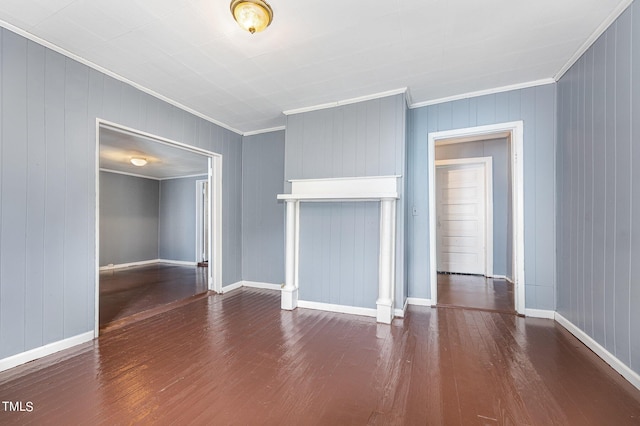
<point>177,235</point>
<point>262,213</point>
<point>49,105</point>
<point>536,106</point>
<point>599,190</point>
<point>128,218</point>
<point>338,239</point>
<point>499,151</point>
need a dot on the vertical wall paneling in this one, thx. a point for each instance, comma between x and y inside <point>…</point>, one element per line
<point>339,241</point>
<point>14,192</point>
<point>36,178</point>
<point>177,227</point>
<point>634,289</point>
<point>262,213</point>
<point>598,101</point>
<point>129,219</point>
<point>536,106</point>
<point>48,110</point>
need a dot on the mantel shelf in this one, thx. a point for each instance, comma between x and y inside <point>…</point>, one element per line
<point>339,197</point>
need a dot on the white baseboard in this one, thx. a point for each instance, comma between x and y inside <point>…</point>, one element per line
<point>539,313</point>
<point>147,262</point>
<point>127,265</point>
<point>401,312</point>
<point>601,351</point>
<point>42,351</point>
<point>268,286</point>
<point>502,277</point>
<point>178,262</point>
<point>367,312</point>
<point>230,287</point>
<point>251,284</point>
<point>417,301</point>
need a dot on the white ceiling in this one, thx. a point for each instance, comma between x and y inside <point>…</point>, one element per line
<point>164,161</point>
<point>315,52</point>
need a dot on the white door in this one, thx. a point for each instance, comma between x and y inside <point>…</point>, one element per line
<point>461,217</point>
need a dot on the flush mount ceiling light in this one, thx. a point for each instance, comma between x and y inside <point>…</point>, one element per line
<point>138,161</point>
<point>252,15</point>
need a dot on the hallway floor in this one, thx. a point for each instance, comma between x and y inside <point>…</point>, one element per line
<point>128,292</point>
<point>476,292</point>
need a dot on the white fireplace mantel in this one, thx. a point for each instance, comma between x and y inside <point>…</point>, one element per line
<point>369,188</point>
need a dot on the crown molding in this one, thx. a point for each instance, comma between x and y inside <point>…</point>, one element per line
<point>495,90</point>
<point>346,101</point>
<point>622,6</point>
<point>269,130</point>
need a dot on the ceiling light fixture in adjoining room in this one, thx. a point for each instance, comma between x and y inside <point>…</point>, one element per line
<point>138,161</point>
<point>252,15</point>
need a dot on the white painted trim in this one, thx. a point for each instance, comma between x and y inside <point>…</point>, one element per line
<point>402,312</point>
<point>624,370</point>
<point>501,277</point>
<point>267,286</point>
<point>539,313</point>
<point>118,172</point>
<point>178,262</point>
<point>261,131</point>
<point>96,67</point>
<point>515,128</point>
<point>620,8</point>
<point>231,287</point>
<point>502,89</point>
<point>487,162</point>
<point>419,301</point>
<point>128,265</point>
<point>330,307</point>
<point>42,351</point>
<point>346,101</point>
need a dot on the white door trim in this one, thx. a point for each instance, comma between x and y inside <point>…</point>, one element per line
<point>515,134</point>
<point>215,211</point>
<point>488,193</point>
<point>200,220</point>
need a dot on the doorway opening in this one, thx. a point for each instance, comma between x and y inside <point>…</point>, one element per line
<point>476,217</point>
<point>150,231</point>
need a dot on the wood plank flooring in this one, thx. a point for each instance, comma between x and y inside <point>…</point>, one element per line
<point>238,359</point>
<point>127,294</point>
<point>476,292</point>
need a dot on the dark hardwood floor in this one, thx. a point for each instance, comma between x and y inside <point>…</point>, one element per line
<point>238,359</point>
<point>129,294</point>
<point>476,292</point>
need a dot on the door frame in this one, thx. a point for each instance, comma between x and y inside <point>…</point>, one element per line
<point>200,220</point>
<point>214,174</point>
<point>487,163</point>
<point>514,132</point>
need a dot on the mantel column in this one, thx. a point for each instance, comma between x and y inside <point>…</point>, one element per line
<point>289,300</point>
<point>386,273</point>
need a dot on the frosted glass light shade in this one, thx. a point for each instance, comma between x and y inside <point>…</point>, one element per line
<point>252,15</point>
<point>138,161</point>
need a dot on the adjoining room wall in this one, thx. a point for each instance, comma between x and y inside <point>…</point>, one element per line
<point>262,213</point>
<point>498,150</point>
<point>339,241</point>
<point>536,107</point>
<point>128,219</point>
<point>598,214</point>
<point>177,227</point>
<point>49,105</point>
